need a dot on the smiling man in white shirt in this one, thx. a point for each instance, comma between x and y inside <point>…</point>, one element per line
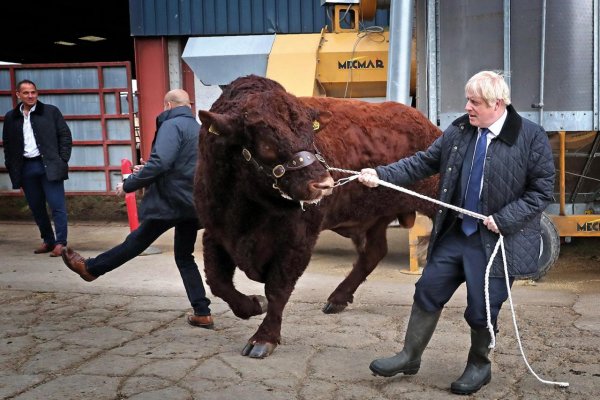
<point>37,147</point>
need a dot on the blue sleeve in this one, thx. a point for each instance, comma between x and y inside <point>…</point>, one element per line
<point>163,155</point>
<point>414,168</point>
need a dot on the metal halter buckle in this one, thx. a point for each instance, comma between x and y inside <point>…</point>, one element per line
<point>247,155</point>
<point>278,171</point>
<point>299,160</point>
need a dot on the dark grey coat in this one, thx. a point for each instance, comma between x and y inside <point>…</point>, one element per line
<point>169,172</point>
<point>52,136</point>
<point>518,184</point>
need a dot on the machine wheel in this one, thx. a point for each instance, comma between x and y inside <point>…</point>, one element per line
<point>550,246</point>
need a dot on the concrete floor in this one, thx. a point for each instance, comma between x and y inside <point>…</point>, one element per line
<point>124,335</point>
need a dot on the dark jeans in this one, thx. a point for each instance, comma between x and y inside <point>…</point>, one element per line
<point>458,258</point>
<point>39,191</point>
<point>137,241</point>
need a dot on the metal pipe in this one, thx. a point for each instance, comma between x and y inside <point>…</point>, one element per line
<point>542,63</point>
<point>561,171</point>
<point>507,42</point>
<point>398,76</point>
<point>596,77</point>
<point>432,52</point>
<point>421,93</point>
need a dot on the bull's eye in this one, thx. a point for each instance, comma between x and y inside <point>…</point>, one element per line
<point>266,151</point>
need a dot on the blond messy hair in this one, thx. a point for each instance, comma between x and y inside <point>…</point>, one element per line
<point>490,86</point>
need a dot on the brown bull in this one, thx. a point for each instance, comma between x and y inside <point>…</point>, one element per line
<point>264,195</point>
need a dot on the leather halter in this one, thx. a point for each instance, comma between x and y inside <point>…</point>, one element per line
<point>298,161</point>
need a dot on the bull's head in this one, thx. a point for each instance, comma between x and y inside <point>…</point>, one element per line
<point>273,133</point>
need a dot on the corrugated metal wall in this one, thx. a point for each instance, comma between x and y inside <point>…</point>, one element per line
<point>230,17</point>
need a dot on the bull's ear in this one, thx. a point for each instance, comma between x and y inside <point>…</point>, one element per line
<point>322,119</point>
<point>219,124</point>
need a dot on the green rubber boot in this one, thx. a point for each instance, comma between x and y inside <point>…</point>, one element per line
<point>420,329</point>
<point>478,371</point>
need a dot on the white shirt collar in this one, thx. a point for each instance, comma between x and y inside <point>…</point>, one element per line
<point>30,110</point>
<point>496,127</point>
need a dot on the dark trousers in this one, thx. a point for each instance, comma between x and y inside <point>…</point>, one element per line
<point>137,241</point>
<point>458,258</point>
<point>38,191</point>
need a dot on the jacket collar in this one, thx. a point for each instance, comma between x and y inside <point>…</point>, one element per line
<point>181,111</point>
<point>510,129</point>
<point>39,109</point>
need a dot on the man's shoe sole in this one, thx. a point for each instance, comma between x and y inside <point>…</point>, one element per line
<point>67,262</point>
<point>378,372</point>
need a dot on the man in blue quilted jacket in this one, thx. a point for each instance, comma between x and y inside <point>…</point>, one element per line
<point>495,163</point>
<point>168,177</point>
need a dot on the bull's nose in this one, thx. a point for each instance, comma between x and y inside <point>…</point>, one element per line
<point>325,186</point>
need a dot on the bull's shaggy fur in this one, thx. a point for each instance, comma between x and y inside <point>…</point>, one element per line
<point>251,226</point>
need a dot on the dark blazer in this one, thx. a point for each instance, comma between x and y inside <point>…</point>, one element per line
<point>518,185</point>
<point>52,136</point>
<point>169,172</point>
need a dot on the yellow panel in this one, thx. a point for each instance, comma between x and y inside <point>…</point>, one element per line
<point>421,228</point>
<point>293,63</point>
<point>577,225</point>
<point>354,65</point>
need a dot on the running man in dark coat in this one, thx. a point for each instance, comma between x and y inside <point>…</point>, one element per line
<point>37,147</point>
<point>493,162</point>
<point>168,177</point>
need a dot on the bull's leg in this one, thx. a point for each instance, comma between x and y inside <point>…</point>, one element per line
<point>371,249</point>
<point>219,269</point>
<point>278,289</point>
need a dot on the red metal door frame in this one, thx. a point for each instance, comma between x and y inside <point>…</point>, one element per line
<point>152,74</point>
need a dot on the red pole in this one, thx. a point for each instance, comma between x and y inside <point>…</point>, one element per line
<point>132,214</point>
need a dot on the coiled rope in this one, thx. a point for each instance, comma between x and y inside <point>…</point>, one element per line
<point>499,245</point>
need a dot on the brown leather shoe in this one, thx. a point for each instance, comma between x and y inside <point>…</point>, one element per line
<point>76,263</point>
<point>44,248</point>
<point>57,250</point>
<point>201,321</point>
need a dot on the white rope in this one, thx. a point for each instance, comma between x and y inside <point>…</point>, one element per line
<point>499,244</point>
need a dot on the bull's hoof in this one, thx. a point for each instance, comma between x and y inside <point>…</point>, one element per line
<point>331,308</point>
<point>261,301</point>
<point>258,350</point>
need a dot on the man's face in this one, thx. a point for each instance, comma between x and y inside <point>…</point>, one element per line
<point>27,94</point>
<point>480,113</point>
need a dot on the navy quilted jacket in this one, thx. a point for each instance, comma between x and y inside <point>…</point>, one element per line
<point>168,175</point>
<point>518,184</point>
